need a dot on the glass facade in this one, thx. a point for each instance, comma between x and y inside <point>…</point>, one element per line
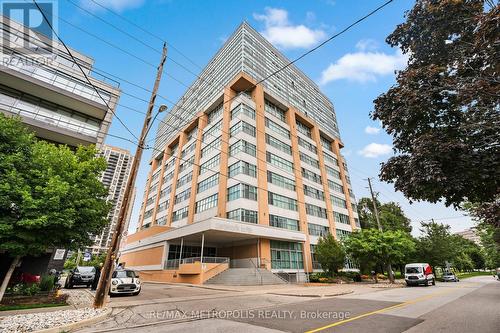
<point>286,255</point>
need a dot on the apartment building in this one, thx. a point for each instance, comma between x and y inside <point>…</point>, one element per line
<point>41,83</point>
<point>115,177</point>
<point>245,173</point>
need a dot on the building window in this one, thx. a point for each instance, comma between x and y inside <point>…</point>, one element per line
<point>326,144</point>
<point>332,172</point>
<point>281,181</point>
<point>148,213</point>
<point>208,183</point>
<point>212,132</point>
<point>286,255</point>
<point>184,195</point>
<point>307,145</point>
<point>168,176</point>
<point>165,191</point>
<point>185,179</point>
<point>243,109</point>
<point>243,126</point>
<point>192,133</point>
<point>210,164</point>
<point>214,145</point>
<point>180,214</point>
<point>277,128</point>
<point>275,111</point>
<point>243,215</point>
<point>151,200</point>
<point>311,176</point>
<point>188,149</point>
<point>341,218</point>
<point>335,187</point>
<point>283,222</point>
<point>242,167</point>
<point>272,141</point>
<point>309,160</point>
<point>338,202</point>
<point>317,230</point>
<point>342,234</point>
<point>215,113</point>
<point>282,201</point>
<point>330,159</point>
<point>279,162</point>
<point>161,220</point>
<point>207,203</point>
<point>242,191</point>
<point>162,206</point>
<point>314,258</point>
<point>243,146</point>
<point>188,163</point>
<point>315,211</point>
<point>314,192</point>
<point>301,128</point>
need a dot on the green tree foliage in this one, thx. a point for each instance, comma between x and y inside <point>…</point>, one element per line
<point>50,196</point>
<point>490,246</point>
<point>437,246</point>
<point>331,254</point>
<point>391,215</point>
<point>443,113</point>
<point>372,247</point>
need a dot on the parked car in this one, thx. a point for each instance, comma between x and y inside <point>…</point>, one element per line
<point>81,275</point>
<point>419,273</point>
<point>450,277</point>
<point>125,281</point>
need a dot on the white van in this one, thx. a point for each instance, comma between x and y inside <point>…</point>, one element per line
<point>419,273</point>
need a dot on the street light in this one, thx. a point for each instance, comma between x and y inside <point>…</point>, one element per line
<point>161,109</point>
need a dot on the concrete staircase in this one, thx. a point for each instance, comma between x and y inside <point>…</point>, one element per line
<point>245,277</point>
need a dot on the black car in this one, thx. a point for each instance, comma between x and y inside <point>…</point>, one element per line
<point>81,275</point>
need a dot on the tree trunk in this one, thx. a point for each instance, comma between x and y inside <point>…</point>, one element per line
<point>8,275</point>
<point>389,273</point>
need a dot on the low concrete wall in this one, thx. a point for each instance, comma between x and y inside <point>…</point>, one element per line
<point>189,276</point>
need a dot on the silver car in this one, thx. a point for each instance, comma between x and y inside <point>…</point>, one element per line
<point>450,277</point>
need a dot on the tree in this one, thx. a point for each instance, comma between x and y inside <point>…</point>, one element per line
<point>50,196</point>
<point>490,247</point>
<point>391,215</point>
<point>330,254</point>
<point>436,245</point>
<point>443,113</point>
<point>372,247</point>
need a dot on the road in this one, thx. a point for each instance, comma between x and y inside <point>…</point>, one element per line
<point>471,305</point>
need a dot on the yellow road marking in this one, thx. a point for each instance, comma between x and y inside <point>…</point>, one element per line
<point>416,300</point>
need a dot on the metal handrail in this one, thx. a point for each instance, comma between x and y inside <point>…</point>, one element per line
<point>175,263</point>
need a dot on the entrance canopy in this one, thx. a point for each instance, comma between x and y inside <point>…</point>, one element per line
<point>220,230</point>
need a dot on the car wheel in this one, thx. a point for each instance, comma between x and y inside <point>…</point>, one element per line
<point>136,293</point>
<point>433,282</point>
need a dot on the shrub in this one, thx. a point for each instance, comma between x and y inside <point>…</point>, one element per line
<point>47,283</point>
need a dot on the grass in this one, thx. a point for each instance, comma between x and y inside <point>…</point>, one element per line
<point>29,306</point>
<point>466,275</point>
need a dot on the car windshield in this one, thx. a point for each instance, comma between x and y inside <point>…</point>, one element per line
<point>413,270</point>
<point>448,274</point>
<point>85,269</point>
<point>124,274</point>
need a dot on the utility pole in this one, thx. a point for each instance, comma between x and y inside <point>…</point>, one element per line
<point>108,267</point>
<point>389,266</point>
<point>374,204</point>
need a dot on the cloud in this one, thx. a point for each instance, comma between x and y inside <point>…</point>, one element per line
<point>367,45</point>
<point>374,150</point>
<point>116,5</point>
<point>372,130</point>
<point>280,32</point>
<point>364,66</point>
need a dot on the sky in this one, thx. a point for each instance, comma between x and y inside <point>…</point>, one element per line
<point>352,70</point>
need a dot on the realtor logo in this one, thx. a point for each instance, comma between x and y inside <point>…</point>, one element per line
<point>29,29</point>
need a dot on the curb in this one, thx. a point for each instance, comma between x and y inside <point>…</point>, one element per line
<point>313,295</point>
<point>77,324</point>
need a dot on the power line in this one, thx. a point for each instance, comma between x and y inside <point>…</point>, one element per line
<point>81,69</point>
<point>145,31</point>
